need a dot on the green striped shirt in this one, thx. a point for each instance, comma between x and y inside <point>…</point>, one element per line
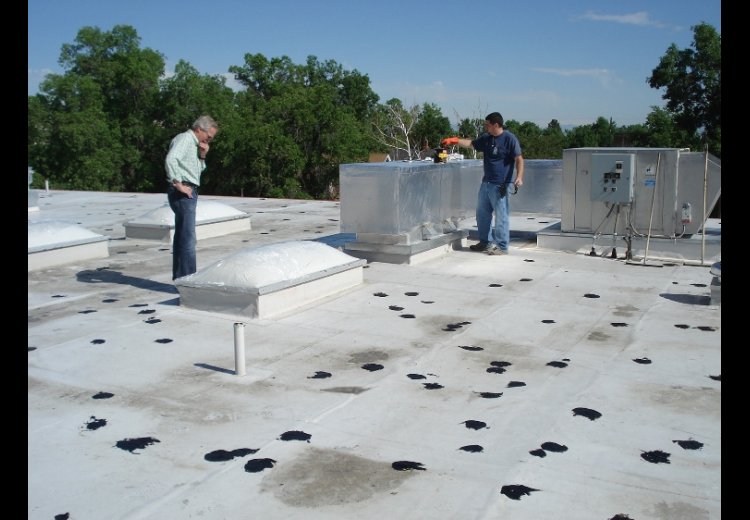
<point>182,162</point>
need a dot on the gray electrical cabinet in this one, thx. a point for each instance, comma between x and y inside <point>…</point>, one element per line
<point>612,176</point>
<point>667,192</point>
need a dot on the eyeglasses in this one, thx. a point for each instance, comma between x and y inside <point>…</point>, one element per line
<point>209,137</point>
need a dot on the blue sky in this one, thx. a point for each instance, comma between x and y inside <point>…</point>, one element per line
<point>531,61</point>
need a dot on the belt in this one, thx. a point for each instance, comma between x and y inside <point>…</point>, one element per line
<point>190,184</point>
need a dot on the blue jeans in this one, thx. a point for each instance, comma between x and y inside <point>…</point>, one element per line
<point>489,201</point>
<point>183,245</point>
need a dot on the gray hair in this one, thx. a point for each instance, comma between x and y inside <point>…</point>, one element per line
<point>205,123</point>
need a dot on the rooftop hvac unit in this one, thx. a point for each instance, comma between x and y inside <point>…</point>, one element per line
<point>665,192</point>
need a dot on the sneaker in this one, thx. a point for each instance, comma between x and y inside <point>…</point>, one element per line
<point>494,250</point>
<point>480,246</point>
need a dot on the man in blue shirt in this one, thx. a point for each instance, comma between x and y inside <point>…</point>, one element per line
<point>185,162</point>
<point>502,155</point>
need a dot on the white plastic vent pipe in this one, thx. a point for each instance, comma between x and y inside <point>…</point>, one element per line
<point>239,349</point>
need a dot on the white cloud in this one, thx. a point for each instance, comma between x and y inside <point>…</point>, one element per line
<point>640,18</point>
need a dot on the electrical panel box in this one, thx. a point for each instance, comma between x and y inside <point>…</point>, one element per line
<point>612,177</point>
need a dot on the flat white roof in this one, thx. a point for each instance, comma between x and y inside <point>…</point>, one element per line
<point>536,385</point>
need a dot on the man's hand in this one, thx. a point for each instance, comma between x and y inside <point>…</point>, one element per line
<point>449,140</point>
<point>184,189</point>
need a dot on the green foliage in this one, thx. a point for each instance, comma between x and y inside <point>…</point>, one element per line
<point>692,82</point>
<point>106,122</point>
<point>291,189</point>
<point>91,127</point>
<point>553,141</point>
<point>182,98</point>
<point>39,137</point>
<point>470,128</point>
<point>632,135</point>
<point>431,127</point>
<point>599,134</point>
<point>314,115</point>
<point>663,131</point>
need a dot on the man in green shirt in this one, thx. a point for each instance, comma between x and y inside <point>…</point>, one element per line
<point>185,162</point>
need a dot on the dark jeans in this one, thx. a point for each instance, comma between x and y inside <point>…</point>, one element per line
<point>183,245</point>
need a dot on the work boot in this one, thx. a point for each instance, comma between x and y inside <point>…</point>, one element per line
<point>494,250</point>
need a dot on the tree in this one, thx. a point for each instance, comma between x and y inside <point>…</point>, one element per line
<point>97,118</point>
<point>77,147</point>
<point>393,125</point>
<point>530,136</point>
<point>605,131</point>
<point>692,82</point>
<point>470,129</point>
<point>663,131</point>
<point>431,127</point>
<point>311,117</point>
<point>39,137</point>
<point>188,94</point>
<point>184,97</point>
<point>553,141</point>
<point>632,135</point>
<point>127,74</point>
<point>599,134</point>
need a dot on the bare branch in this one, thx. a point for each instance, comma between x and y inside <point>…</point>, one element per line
<point>394,131</point>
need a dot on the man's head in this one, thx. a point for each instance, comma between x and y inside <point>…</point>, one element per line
<point>495,118</point>
<point>493,123</point>
<point>207,128</point>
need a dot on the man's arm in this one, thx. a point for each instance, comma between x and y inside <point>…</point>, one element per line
<point>174,163</point>
<point>460,141</point>
<point>519,171</point>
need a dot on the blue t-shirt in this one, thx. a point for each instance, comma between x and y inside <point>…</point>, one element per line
<point>499,156</point>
